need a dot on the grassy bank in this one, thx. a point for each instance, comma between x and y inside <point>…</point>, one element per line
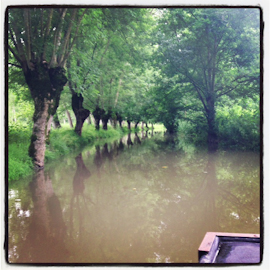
<point>19,163</point>
<point>63,141</point>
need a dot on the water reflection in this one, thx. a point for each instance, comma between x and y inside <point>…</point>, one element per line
<point>98,158</point>
<point>129,141</point>
<point>82,173</point>
<point>79,204</point>
<point>47,230</point>
<point>149,201</point>
<point>207,192</point>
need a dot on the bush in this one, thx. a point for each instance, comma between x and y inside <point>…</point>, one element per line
<point>239,128</point>
<point>19,163</point>
<point>18,133</point>
<point>193,132</point>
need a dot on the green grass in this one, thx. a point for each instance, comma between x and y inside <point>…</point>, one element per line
<point>19,163</point>
<point>63,141</point>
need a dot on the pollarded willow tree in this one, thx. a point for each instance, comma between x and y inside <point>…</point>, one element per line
<point>40,41</point>
<point>106,60</point>
<point>215,51</point>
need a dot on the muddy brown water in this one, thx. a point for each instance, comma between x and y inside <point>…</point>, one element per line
<point>135,200</point>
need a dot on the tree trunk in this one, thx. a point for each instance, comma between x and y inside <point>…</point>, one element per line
<point>97,120</point>
<point>212,138</point>
<point>129,141</point>
<point>97,115</point>
<point>80,112</point>
<point>45,86</point>
<point>119,119</point>
<point>69,119</point>
<point>105,124</point>
<point>136,124</point>
<point>128,122</point>
<point>171,127</point>
<point>38,139</point>
<point>142,125</point>
<point>105,116</point>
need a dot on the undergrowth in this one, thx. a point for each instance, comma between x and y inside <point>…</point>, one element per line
<point>19,163</point>
<point>64,140</point>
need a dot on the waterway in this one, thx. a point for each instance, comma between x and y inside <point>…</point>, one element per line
<point>140,199</point>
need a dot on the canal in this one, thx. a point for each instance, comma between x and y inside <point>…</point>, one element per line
<point>140,199</point>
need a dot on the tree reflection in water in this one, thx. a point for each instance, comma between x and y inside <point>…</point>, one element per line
<point>47,228</point>
<point>137,139</point>
<point>81,174</point>
<point>129,141</point>
<point>150,202</point>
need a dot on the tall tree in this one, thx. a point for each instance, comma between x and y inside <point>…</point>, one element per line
<point>40,41</point>
<point>108,52</point>
<point>216,50</point>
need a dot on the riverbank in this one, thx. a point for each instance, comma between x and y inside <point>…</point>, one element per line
<point>63,141</point>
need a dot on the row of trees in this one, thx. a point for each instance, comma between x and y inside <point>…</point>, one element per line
<point>133,64</point>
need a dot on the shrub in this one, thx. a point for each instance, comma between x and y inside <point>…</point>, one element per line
<point>239,127</point>
<point>19,163</point>
<point>18,133</point>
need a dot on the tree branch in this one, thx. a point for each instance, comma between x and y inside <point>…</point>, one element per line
<point>250,79</point>
<point>19,47</point>
<point>27,40</point>
<point>67,35</point>
<point>57,37</point>
<point>14,65</point>
<point>47,31</point>
<point>14,54</point>
<point>105,51</point>
<point>68,51</point>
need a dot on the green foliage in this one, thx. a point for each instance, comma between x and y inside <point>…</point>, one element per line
<point>65,141</point>
<point>20,108</point>
<point>169,66</point>
<point>239,125</point>
<point>19,163</point>
<point>18,133</point>
<point>209,52</point>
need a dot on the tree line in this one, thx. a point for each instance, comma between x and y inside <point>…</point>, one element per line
<point>157,65</point>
